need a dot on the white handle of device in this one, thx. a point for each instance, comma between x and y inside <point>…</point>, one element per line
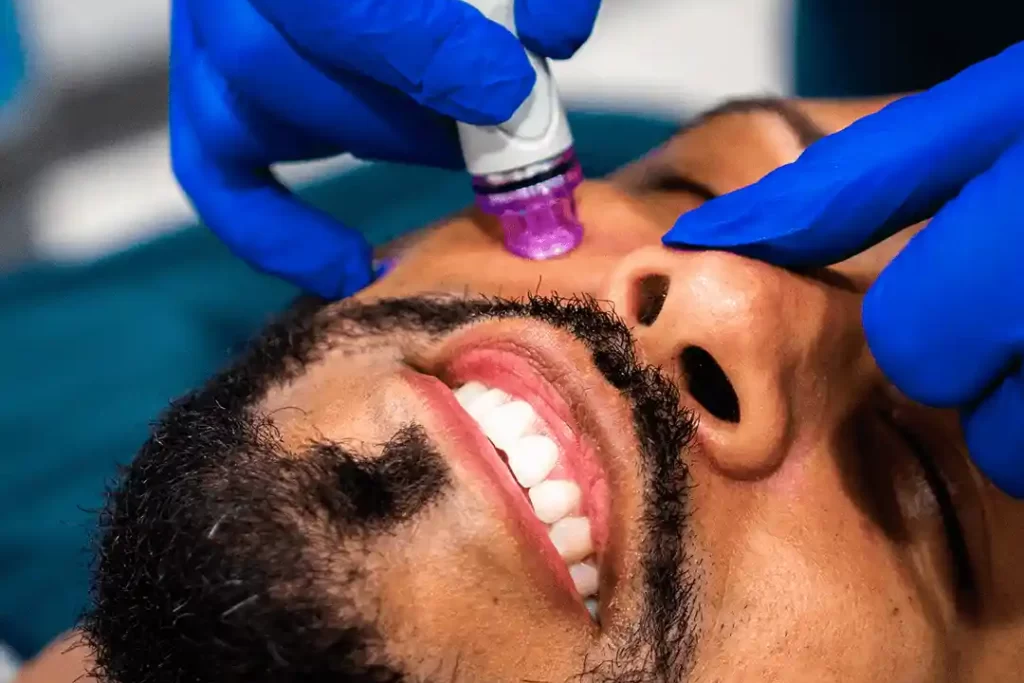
<point>537,131</point>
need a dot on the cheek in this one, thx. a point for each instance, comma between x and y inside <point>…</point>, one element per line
<point>785,612</point>
<point>355,394</point>
<point>348,399</point>
<point>452,590</point>
<point>786,604</point>
<point>792,573</point>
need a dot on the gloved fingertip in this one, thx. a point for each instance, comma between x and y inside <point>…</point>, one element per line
<point>338,280</point>
<point>355,271</point>
<point>995,435</point>
<point>900,348</point>
<point>478,79</point>
<point>703,230</point>
<point>886,336</point>
<point>679,240</point>
<point>689,232</point>
<point>724,221</point>
<point>352,284</point>
<point>490,104</point>
<point>555,30</point>
<point>381,267</point>
<point>553,46</point>
<point>686,233</point>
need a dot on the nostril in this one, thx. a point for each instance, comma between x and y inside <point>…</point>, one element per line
<point>709,385</point>
<point>651,292</point>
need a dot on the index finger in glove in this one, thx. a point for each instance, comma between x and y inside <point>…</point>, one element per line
<point>443,53</point>
<point>261,221</point>
<point>353,113</point>
<point>234,191</point>
<point>555,29</point>
<point>945,320</point>
<point>884,172</point>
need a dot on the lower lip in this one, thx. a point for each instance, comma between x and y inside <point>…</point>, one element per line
<point>479,457</point>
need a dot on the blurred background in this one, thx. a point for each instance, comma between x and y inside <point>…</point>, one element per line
<point>113,301</point>
<point>83,146</point>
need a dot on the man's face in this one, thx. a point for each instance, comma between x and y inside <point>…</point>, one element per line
<point>627,464</point>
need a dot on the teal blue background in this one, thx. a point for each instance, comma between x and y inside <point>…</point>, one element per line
<point>12,57</point>
<point>850,48</point>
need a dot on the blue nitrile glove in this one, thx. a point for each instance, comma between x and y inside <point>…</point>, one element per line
<point>255,82</point>
<point>945,320</point>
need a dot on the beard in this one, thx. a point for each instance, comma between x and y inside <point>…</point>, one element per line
<point>222,557</point>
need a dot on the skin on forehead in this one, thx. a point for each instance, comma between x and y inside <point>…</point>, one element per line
<point>797,561</point>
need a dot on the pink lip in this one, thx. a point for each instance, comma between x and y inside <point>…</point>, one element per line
<point>479,456</point>
<point>502,366</point>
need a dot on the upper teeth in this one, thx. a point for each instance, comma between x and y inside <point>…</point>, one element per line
<point>531,460</point>
<point>513,426</point>
<point>553,500</point>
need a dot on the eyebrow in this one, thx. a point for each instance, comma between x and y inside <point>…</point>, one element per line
<point>803,128</point>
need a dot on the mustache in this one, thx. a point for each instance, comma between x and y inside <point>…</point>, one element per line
<point>611,344</point>
<point>665,637</point>
<point>373,495</point>
<point>250,519</point>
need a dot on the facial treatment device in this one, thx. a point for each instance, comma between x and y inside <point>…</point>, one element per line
<point>525,170</point>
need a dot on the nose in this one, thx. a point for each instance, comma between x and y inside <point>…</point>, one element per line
<point>750,345</point>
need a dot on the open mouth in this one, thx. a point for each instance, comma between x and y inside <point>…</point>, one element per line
<point>523,405</point>
<point>542,470</point>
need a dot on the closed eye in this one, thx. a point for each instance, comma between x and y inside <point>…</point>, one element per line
<point>670,181</point>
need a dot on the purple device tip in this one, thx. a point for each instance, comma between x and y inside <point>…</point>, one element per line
<point>537,214</point>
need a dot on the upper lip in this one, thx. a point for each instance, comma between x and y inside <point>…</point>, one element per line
<point>584,410</point>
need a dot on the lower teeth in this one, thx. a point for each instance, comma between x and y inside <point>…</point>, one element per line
<point>585,578</point>
<point>566,540</point>
<point>591,605</point>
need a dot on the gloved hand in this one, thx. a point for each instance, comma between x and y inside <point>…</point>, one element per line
<point>255,82</point>
<point>945,320</point>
